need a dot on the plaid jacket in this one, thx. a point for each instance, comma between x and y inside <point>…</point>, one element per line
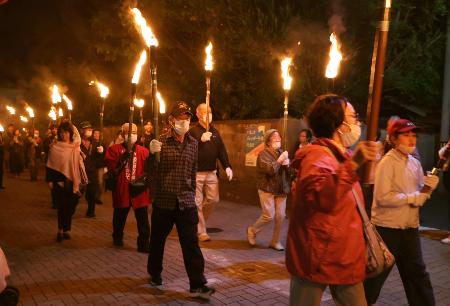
<point>176,172</point>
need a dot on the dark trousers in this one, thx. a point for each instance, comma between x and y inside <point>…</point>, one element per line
<point>143,226</point>
<point>34,169</point>
<point>66,202</point>
<point>186,222</point>
<point>405,246</point>
<point>91,194</point>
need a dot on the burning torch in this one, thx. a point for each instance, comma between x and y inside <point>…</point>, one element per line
<point>134,82</point>
<point>139,103</point>
<point>287,82</point>
<point>208,71</point>
<point>52,114</point>
<point>30,112</point>
<point>151,43</point>
<point>335,59</point>
<point>104,92</point>
<point>69,107</point>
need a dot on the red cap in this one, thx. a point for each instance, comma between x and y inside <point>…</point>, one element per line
<point>401,126</point>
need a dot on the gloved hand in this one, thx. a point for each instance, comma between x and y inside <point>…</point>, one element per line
<point>206,136</point>
<point>283,157</point>
<point>229,173</point>
<point>365,151</point>
<point>286,162</point>
<point>155,146</point>
<point>431,181</point>
<point>100,149</point>
<point>418,198</point>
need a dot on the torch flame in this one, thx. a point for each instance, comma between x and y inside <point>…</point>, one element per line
<point>30,111</point>
<point>146,31</point>
<point>1,128</point>
<point>11,110</point>
<point>209,59</point>
<point>335,58</point>
<point>139,102</point>
<point>56,96</point>
<point>68,102</point>
<point>287,79</point>
<point>23,119</point>
<point>102,88</point>
<point>52,113</point>
<point>60,112</point>
<point>137,71</point>
<point>388,4</point>
<point>162,104</point>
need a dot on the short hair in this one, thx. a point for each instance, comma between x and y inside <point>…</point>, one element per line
<point>326,114</point>
<point>308,134</point>
<point>65,126</point>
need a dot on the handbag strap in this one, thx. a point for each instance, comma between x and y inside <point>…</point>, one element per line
<point>361,208</point>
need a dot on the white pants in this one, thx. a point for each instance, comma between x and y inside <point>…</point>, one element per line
<point>273,207</point>
<point>206,195</point>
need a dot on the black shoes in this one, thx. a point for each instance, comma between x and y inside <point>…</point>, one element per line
<point>90,215</point>
<point>144,249</point>
<point>155,281</point>
<point>203,292</point>
<point>66,236</point>
<point>59,237</point>
<point>118,242</point>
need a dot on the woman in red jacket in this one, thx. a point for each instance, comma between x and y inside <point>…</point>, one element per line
<point>325,243</point>
<point>122,199</point>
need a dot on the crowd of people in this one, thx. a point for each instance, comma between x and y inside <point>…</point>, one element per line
<point>175,176</point>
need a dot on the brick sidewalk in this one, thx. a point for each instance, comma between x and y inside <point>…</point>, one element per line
<point>88,270</point>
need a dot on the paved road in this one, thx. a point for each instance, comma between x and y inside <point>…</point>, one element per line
<point>88,270</point>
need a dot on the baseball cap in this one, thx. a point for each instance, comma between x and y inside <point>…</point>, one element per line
<point>180,108</point>
<point>401,126</point>
<point>85,125</point>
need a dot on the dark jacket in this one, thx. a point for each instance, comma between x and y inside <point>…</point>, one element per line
<point>210,151</point>
<point>272,176</point>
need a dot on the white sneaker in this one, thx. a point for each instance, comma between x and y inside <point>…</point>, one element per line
<point>446,240</point>
<point>204,237</point>
<point>251,236</point>
<point>277,246</point>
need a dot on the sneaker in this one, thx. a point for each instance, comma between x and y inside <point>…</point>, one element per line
<point>66,236</point>
<point>251,236</point>
<point>204,237</point>
<point>155,281</point>
<point>203,292</point>
<point>277,246</point>
<point>446,240</point>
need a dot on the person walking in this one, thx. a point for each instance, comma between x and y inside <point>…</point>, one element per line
<point>446,183</point>
<point>66,175</point>
<point>325,242</point>
<point>93,159</point>
<point>175,178</point>
<point>128,167</point>
<point>273,186</point>
<point>16,154</point>
<point>399,179</point>
<point>210,149</point>
<point>35,154</point>
<point>50,139</point>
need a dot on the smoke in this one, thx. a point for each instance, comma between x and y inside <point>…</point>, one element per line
<point>336,22</point>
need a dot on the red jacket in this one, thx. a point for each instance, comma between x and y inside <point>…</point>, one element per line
<point>325,242</point>
<point>121,195</point>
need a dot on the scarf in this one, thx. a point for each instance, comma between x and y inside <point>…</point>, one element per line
<point>66,158</point>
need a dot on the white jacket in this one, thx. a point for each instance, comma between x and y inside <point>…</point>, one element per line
<point>397,179</point>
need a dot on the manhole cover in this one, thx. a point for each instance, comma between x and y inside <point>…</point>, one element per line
<point>214,230</point>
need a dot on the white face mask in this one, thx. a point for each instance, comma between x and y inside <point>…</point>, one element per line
<point>276,145</point>
<point>348,139</point>
<point>134,138</point>
<point>181,126</point>
<point>88,133</point>
<point>406,149</point>
<point>203,118</point>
